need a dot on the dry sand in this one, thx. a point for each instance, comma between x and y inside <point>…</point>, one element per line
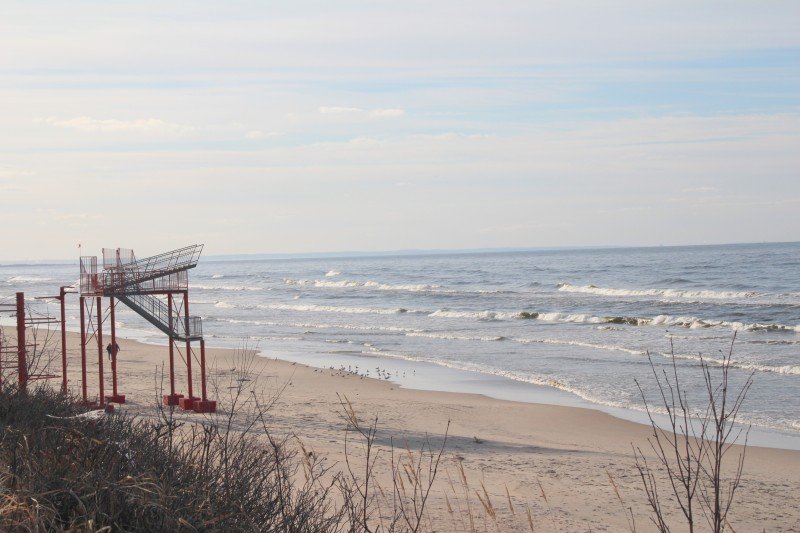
<point>533,450</point>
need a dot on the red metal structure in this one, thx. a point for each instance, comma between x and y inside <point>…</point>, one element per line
<point>62,300</point>
<point>143,285</point>
<point>15,357</point>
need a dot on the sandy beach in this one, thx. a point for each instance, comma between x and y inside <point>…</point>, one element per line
<point>559,461</point>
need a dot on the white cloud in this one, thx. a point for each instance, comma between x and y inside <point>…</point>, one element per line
<point>15,172</point>
<point>375,113</point>
<point>90,124</point>
<point>258,134</point>
<point>334,110</point>
<point>387,113</point>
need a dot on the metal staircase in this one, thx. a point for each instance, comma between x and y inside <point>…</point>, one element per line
<point>135,282</point>
<point>155,311</point>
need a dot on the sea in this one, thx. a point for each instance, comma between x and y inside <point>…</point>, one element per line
<point>582,327</point>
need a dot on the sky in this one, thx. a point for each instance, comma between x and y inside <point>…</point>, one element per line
<point>266,127</point>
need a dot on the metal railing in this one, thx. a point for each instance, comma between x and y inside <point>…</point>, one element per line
<point>89,280</point>
<point>165,271</point>
<point>156,311</point>
<point>117,257</point>
<point>123,282</point>
<point>180,259</point>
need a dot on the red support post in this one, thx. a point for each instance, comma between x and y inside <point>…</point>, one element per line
<point>204,405</point>
<point>115,396</point>
<point>22,355</point>
<point>83,348</point>
<point>62,297</point>
<point>188,402</point>
<point>100,349</point>
<point>203,369</point>
<point>171,398</point>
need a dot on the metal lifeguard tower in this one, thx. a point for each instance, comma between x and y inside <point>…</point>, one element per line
<point>156,288</point>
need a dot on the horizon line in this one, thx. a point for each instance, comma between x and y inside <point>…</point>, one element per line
<point>410,252</point>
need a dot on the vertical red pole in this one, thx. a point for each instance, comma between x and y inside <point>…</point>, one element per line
<point>83,347</point>
<point>113,352</point>
<point>188,342</point>
<point>171,352</point>
<point>203,368</point>
<point>62,297</point>
<point>100,349</point>
<point>22,356</point>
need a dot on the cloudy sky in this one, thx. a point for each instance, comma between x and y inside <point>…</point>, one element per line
<point>325,126</point>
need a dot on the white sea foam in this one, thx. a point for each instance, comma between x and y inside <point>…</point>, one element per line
<point>332,309</point>
<point>661,293</point>
<point>217,276</point>
<point>235,288</point>
<point>451,336</point>
<point>535,379</point>
<point>595,346</point>
<point>793,370</point>
<point>313,325</point>
<point>374,285</point>
<point>583,318</point>
<point>487,316</point>
<point>27,279</point>
<point>557,382</point>
<point>332,273</point>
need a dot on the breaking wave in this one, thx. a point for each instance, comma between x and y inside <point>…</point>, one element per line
<point>312,326</point>
<point>660,320</point>
<point>793,370</point>
<point>346,284</point>
<point>488,316</point>
<point>659,293</point>
<point>454,337</point>
<point>235,288</point>
<point>334,309</point>
<point>27,279</point>
<point>607,347</point>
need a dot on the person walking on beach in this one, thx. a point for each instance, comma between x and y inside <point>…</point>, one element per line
<point>108,349</point>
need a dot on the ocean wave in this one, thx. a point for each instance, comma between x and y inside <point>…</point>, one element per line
<point>585,318</point>
<point>487,316</point>
<point>793,370</point>
<point>217,276</point>
<point>314,325</point>
<point>332,273</point>
<point>659,293</point>
<point>27,279</point>
<point>235,288</point>
<point>454,337</point>
<point>607,347</point>
<point>374,285</point>
<point>334,309</point>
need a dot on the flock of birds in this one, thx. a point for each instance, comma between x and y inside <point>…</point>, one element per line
<point>378,373</point>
